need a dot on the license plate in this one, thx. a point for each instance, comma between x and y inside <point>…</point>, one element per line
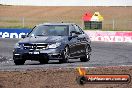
<point>33,52</point>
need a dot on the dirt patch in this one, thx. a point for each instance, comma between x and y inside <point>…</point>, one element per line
<point>4,59</point>
<point>58,78</point>
<point>13,15</point>
<point>70,12</point>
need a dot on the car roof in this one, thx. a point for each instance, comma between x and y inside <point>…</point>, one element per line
<point>56,24</point>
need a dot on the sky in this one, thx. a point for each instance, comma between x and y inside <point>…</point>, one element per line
<point>68,2</point>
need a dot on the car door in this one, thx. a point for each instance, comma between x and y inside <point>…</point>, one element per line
<point>73,43</point>
<point>81,41</point>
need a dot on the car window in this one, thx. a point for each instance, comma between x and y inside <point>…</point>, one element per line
<point>81,30</point>
<point>78,29</point>
<point>72,28</point>
<point>50,30</point>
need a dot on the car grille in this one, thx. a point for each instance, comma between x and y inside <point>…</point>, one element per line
<point>35,46</point>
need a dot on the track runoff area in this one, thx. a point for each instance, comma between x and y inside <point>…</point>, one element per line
<point>109,48</point>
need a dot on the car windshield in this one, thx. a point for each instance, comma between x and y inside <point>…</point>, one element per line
<point>50,30</point>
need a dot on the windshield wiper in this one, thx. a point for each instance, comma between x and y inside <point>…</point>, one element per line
<point>40,35</point>
<point>60,35</point>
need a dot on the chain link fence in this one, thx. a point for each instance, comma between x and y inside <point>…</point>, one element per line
<point>22,22</point>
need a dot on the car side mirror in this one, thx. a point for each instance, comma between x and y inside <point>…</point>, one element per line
<point>73,34</point>
<point>23,36</point>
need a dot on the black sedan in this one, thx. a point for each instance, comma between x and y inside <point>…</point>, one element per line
<point>53,41</point>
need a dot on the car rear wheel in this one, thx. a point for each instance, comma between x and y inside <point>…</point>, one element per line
<point>87,54</point>
<point>19,62</point>
<point>65,58</point>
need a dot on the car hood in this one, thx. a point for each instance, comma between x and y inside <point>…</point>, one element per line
<point>44,39</point>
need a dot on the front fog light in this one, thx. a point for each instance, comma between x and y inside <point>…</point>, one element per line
<point>17,45</point>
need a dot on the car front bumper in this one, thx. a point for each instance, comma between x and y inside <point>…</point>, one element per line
<point>51,54</point>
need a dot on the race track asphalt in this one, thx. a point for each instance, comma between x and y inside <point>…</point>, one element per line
<point>103,54</point>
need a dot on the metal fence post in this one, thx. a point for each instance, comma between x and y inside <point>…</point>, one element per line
<point>113,24</point>
<point>23,22</point>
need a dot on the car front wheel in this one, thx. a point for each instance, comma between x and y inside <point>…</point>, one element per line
<point>65,58</point>
<point>19,62</point>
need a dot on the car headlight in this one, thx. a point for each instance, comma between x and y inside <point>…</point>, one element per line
<point>55,45</point>
<point>17,45</point>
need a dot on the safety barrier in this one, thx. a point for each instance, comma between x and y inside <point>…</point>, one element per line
<point>13,32</point>
<point>110,36</point>
<point>104,36</point>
